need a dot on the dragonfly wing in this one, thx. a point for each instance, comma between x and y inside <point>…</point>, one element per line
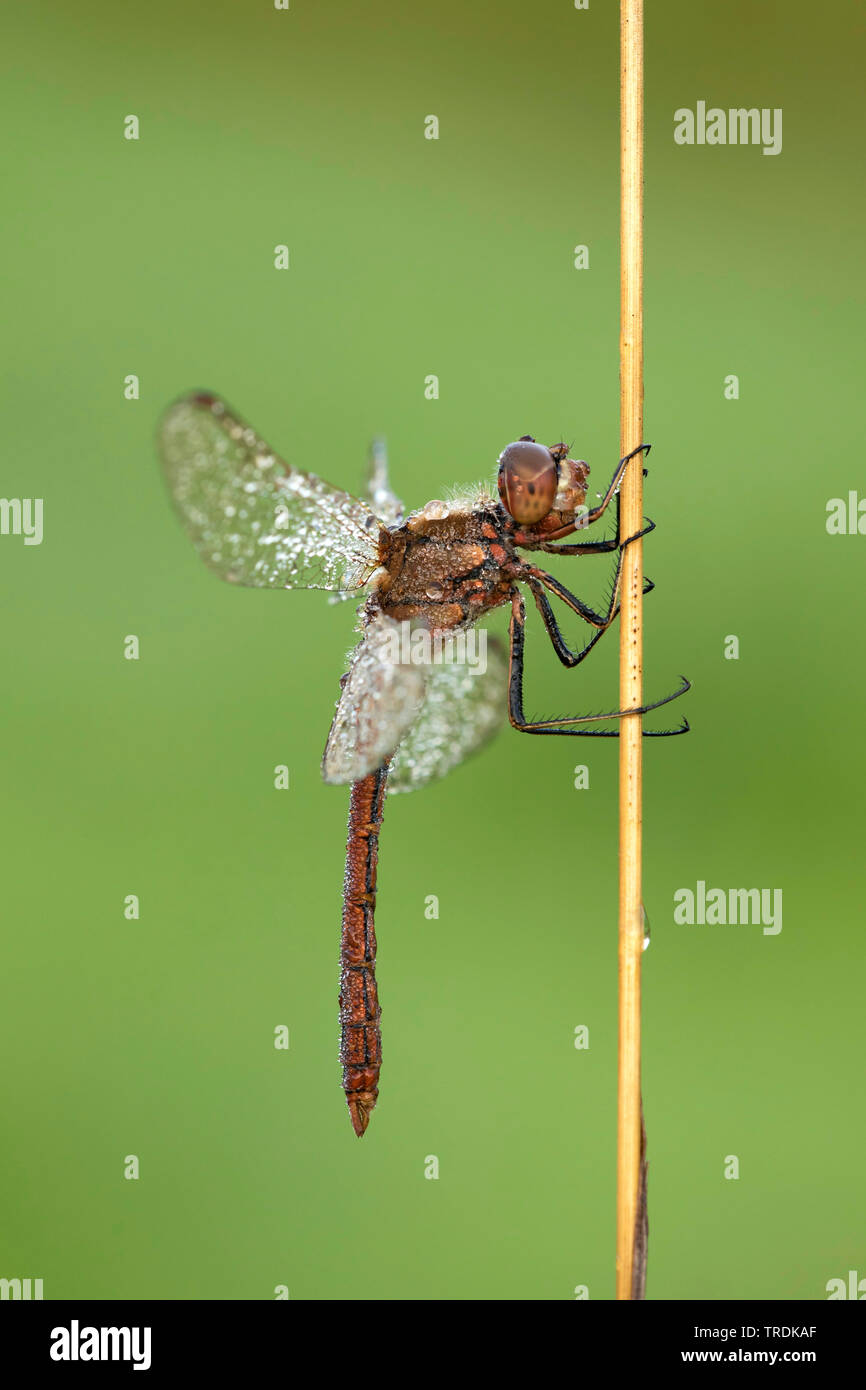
<point>388,508</point>
<point>254,519</point>
<point>383,501</point>
<point>464,706</point>
<point>380,700</point>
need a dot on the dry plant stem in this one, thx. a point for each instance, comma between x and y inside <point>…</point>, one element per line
<point>631,646</point>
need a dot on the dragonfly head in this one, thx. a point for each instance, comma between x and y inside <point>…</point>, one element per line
<point>535,480</point>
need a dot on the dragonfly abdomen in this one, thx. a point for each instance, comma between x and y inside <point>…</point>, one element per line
<point>360,1034</point>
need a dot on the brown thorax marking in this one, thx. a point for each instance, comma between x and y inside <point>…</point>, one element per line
<point>447,565</point>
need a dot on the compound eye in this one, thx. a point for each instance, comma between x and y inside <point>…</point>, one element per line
<point>528,479</point>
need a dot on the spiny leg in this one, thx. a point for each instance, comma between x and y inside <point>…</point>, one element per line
<point>583,610</point>
<point>536,578</point>
<point>560,646</point>
<point>599,547</point>
<point>588,518</point>
<point>562,726</point>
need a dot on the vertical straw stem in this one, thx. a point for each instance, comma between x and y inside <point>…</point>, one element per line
<point>631,647</point>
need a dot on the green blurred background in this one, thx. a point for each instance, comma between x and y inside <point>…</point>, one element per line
<point>410,257</point>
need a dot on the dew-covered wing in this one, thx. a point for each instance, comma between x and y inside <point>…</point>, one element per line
<point>380,700</point>
<point>254,519</point>
<point>464,706</point>
<point>383,499</point>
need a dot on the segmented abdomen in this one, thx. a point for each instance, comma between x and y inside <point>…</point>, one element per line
<point>360,1036</point>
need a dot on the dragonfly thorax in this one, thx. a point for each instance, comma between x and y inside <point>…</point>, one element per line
<point>446,566</point>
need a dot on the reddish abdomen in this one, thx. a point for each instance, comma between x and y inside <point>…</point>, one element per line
<point>360,1036</point>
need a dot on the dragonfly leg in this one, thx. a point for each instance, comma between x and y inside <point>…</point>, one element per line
<point>537,577</point>
<point>599,547</point>
<point>568,657</point>
<point>588,518</point>
<point>564,726</point>
<point>582,609</point>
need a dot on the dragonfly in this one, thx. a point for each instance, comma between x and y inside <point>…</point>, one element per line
<point>409,710</point>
